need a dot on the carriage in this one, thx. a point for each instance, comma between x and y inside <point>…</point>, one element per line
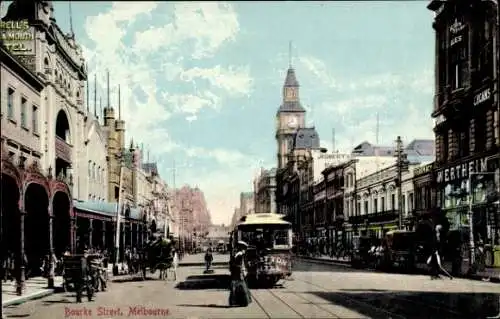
<point>269,257</point>
<point>156,255</point>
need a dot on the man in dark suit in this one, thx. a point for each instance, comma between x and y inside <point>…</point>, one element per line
<point>82,281</point>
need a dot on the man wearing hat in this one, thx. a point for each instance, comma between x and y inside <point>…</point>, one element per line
<point>83,279</point>
<point>239,293</point>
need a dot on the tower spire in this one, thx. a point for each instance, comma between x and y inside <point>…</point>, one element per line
<point>71,20</point>
<point>290,61</point>
<point>107,73</point>
<point>95,95</point>
<point>119,104</point>
<point>88,96</point>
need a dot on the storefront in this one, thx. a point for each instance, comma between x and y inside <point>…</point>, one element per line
<point>471,184</point>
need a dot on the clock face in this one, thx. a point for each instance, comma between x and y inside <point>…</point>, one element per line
<point>292,121</point>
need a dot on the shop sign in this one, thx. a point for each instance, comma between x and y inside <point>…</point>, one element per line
<point>482,96</point>
<point>456,27</point>
<point>456,40</point>
<point>423,170</point>
<point>462,171</point>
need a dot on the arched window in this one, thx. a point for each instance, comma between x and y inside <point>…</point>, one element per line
<point>93,171</point>
<point>99,174</point>
<point>90,169</point>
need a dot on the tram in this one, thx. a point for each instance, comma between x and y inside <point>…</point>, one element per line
<point>269,255</point>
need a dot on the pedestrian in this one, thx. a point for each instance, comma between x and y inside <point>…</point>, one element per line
<point>175,263</point>
<point>434,260</point>
<point>82,281</point>
<point>239,294</point>
<point>208,258</point>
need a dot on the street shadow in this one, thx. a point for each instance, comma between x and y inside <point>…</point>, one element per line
<point>62,301</point>
<point>416,304</point>
<point>133,279</point>
<point>206,306</point>
<point>306,266</point>
<point>202,282</point>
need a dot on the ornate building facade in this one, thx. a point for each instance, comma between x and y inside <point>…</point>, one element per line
<point>466,113</point>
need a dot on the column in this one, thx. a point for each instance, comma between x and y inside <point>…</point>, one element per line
<point>20,278</point>
<point>50,282</point>
<point>90,232</point>
<point>73,234</point>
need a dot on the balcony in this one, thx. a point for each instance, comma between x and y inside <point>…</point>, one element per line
<point>63,150</point>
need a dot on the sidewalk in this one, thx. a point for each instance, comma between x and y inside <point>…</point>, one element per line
<point>492,273</point>
<point>34,288</point>
<point>326,258</point>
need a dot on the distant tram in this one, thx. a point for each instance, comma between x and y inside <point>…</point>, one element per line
<point>269,255</point>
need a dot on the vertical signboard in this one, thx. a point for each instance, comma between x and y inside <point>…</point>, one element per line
<point>19,38</point>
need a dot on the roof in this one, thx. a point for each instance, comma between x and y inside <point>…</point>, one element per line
<point>306,138</point>
<point>291,106</point>
<point>263,218</point>
<point>291,79</point>
<point>103,208</point>
<point>422,147</point>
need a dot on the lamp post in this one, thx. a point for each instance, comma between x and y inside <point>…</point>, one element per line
<point>118,222</point>
<point>470,215</point>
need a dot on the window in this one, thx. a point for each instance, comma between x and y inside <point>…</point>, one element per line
<point>393,201</point>
<point>446,146</point>
<point>463,141</point>
<point>34,119</point>
<point>375,205</point>
<point>90,169</point>
<point>358,209</point>
<point>403,204</point>
<point>23,112</point>
<point>480,132</point>
<point>382,202</point>
<point>410,202</point>
<point>366,207</point>
<point>459,62</point>
<point>10,104</point>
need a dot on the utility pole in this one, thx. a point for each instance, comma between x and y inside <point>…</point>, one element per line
<point>402,165</point>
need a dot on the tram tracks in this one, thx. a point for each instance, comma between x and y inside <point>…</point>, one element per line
<point>436,310</point>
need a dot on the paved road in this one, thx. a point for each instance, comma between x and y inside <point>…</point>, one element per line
<point>316,291</point>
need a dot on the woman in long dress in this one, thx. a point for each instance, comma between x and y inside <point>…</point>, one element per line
<point>239,293</point>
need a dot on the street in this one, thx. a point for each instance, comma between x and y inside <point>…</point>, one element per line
<point>315,291</point>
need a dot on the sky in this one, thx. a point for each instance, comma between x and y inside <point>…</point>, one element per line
<point>201,82</point>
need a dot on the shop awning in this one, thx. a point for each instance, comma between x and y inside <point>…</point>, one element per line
<point>104,210</point>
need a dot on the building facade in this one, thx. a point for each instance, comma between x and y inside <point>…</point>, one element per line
<point>265,191</point>
<point>466,115</point>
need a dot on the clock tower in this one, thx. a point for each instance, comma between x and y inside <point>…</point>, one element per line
<point>289,118</point>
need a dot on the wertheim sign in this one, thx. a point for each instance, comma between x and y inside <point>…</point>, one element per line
<point>462,171</point>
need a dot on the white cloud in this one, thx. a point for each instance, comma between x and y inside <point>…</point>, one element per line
<point>156,56</point>
<point>235,81</point>
<point>318,69</point>
<point>420,81</point>
<point>209,24</point>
